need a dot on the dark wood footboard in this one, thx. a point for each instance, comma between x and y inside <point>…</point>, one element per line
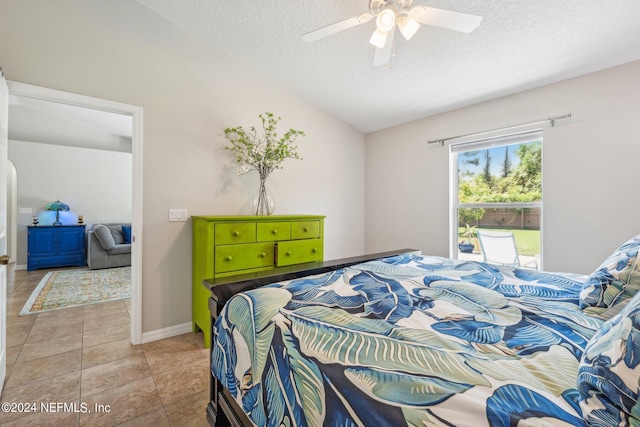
<point>223,410</point>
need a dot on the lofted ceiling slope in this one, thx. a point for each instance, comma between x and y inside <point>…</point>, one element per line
<point>519,45</point>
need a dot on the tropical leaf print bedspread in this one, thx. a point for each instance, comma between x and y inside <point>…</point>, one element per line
<point>407,340</point>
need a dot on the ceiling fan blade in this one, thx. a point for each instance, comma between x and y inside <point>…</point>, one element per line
<point>337,27</point>
<point>383,55</point>
<point>449,19</point>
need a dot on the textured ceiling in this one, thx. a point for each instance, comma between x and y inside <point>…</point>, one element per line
<point>520,44</point>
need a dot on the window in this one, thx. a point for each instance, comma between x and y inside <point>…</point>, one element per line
<point>497,187</point>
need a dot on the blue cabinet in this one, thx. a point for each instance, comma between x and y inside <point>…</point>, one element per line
<point>55,246</point>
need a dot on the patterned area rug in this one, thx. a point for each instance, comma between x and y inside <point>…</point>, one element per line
<point>72,288</point>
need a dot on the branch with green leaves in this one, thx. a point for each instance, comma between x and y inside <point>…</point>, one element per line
<point>264,153</point>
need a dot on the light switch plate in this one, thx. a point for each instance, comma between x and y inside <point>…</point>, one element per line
<point>26,211</point>
<point>178,215</point>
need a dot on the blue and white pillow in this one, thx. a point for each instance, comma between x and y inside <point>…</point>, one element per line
<point>615,281</point>
<point>609,373</point>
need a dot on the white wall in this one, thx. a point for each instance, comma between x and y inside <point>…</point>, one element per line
<point>96,184</point>
<point>119,50</point>
<point>590,169</point>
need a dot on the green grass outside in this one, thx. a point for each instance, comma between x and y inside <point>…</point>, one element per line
<point>527,241</point>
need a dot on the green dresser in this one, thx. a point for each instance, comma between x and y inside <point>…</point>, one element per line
<point>231,245</point>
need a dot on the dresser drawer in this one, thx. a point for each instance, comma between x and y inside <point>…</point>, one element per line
<point>299,251</point>
<point>239,232</point>
<point>305,229</point>
<point>274,231</point>
<point>243,257</point>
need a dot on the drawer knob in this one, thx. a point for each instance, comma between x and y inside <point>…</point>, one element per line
<point>274,231</point>
<point>305,229</point>
<point>262,255</point>
<point>314,250</point>
<point>229,258</point>
<point>236,233</point>
<point>288,253</point>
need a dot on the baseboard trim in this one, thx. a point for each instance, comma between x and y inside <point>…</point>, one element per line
<point>20,267</point>
<point>171,331</point>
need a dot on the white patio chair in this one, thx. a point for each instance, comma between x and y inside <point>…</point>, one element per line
<point>499,247</point>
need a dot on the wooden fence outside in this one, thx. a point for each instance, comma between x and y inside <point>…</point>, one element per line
<point>509,218</point>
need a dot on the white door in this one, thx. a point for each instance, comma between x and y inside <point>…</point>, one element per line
<point>4,259</point>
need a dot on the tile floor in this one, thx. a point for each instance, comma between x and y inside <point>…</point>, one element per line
<point>82,358</point>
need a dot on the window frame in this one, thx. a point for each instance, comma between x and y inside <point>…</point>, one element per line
<point>486,143</point>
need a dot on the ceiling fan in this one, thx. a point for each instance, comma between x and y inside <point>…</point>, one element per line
<point>390,14</point>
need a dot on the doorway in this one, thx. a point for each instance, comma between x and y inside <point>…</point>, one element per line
<point>135,112</point>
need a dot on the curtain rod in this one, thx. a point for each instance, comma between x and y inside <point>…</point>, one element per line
<point>550,120</point>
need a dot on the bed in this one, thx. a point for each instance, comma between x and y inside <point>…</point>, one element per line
<point>402,338</point>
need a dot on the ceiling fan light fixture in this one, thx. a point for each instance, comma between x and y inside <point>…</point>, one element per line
<point>386,20</point>
<point>400,13</point>
<point>407,26</point>
<point>378,38</point>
